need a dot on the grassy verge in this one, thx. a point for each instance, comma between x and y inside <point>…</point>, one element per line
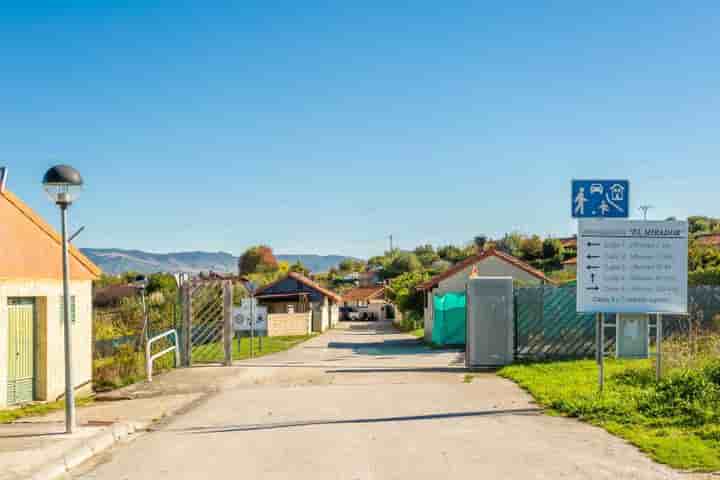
<point>38,409</point>
<point>241,350</point>
<point>676,421</point>
<point>418,332</point>
<point>213,352</point>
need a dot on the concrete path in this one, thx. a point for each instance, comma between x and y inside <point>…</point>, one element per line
<point>363,403</point>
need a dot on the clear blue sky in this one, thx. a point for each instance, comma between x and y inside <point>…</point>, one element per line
<point>323,128</point>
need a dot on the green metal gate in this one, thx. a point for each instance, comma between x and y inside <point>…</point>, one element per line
<point>21,350</point>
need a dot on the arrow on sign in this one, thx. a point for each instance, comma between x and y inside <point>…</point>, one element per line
<point>591,244</point>
<point>592,256</point>
<point>592,288</point>
<point>593,267</point>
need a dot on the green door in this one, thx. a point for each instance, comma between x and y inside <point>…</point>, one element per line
<point>21,351</point>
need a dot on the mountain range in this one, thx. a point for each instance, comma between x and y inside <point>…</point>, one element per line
<point>115,261</point>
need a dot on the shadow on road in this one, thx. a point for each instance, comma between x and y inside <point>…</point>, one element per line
<point>409,418</point>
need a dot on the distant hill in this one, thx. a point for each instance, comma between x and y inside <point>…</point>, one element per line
<point>115,261</point>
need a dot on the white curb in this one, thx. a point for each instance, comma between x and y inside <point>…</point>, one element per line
<point>91,447</point>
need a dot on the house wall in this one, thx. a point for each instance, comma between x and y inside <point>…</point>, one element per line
<point>286,324</point>
<point>334,314</point>
<point>489,267</point>
<point>50,350</point>
<point>321,315</point>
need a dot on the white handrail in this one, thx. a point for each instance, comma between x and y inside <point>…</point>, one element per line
<point>149,359</point>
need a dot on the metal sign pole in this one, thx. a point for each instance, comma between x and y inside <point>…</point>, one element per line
<point>601,350</point>
<point>658,346</point>
<point>252,327</point>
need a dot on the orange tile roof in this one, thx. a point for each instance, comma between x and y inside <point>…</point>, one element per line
<point>26,242</point>
<point>568,242</point>
<point>572,261</point>
<point>363,293</point>
<point>458,267</point>
<point>709,239</point>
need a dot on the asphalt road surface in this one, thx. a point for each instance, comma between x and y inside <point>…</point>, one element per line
<point>364,402</point>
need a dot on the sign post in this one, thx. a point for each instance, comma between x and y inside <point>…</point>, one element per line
<point>628,266</point>
<point>658,346</point>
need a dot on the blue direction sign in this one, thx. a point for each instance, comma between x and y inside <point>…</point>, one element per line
<point>600,198</point>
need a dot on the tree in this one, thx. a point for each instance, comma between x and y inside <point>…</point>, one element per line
<point>479,241</point>
<point>552,248</point>
<point>426,254</point>
<point>510,243</point>
<point>298,267</point>
<point>403,263</point>
<point>402,292</point>
<point>453,254</point>
<point>531,248</point>
<point>161,282</point>
<point>350,265</point>
<point>257,259</point>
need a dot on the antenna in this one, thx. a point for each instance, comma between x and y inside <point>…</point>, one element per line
<point>644,209</point>
<point>391,243</point>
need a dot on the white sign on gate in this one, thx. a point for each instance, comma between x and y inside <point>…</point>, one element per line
<point>242,317</point>
<point>629,266</point>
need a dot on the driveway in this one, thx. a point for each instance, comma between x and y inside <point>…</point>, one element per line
<point>364,402</point>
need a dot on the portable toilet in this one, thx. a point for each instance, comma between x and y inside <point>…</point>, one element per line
<point>489,322</point>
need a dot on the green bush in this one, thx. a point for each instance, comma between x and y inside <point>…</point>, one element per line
<point>689,394</point>
<point>704,276</point>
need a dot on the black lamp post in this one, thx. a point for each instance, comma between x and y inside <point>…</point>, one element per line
<point>63,184</point>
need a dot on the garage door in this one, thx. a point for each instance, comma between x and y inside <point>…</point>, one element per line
<point>21,351</point>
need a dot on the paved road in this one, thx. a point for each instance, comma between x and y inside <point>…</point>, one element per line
<point>362,402</point>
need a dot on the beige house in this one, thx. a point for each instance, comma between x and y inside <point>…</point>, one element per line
<point>369,301</point>
<point>298,306</point>
<point>31,325</point>
<point>490,263</point>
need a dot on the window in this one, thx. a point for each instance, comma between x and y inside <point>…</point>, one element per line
<point>73,309</point>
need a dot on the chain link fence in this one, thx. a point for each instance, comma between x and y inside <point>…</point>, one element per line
<point>548,326</point>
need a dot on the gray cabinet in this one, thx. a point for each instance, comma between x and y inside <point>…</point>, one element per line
<point>489,321</point>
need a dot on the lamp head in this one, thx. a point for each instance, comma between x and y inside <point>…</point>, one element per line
<point>63,184</point>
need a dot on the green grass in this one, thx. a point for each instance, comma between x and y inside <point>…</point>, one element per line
<point>675,421</point>
<point>269,345</point>
<point>418,332</point>
<point>241,350</point>
<point>38,409</point>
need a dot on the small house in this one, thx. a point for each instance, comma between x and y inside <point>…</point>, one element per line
<point>369,302</point>
<point>32,352</point>
<point>298,306</point>
<point>489,263</point>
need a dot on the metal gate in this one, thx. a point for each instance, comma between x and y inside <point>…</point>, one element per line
<point>208,332</point>
<point>21,350</point>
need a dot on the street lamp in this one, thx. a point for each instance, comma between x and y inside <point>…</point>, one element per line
<point>63,184</point>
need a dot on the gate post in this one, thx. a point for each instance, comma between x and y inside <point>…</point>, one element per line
<point>227,321</point>
<point>187,325</point>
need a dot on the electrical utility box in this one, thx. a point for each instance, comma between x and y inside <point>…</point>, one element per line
<point>489,322</point>
<point>633,337</point>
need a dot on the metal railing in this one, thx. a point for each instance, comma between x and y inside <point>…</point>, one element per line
<point>150,358</point>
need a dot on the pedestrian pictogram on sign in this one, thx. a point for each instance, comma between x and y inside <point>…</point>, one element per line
<point>600,198</point>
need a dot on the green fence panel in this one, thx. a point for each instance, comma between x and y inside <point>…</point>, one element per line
<point>547,325</point>
<point>449,320</point>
